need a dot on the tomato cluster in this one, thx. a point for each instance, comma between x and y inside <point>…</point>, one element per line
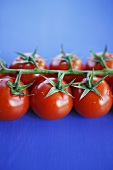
<point>59,103</point>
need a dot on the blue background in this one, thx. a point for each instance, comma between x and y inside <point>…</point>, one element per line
<point>74,142</point>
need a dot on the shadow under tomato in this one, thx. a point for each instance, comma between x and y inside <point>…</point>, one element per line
<point>72,114</point>
<point>75,114</point>
<point>30,113</point>
<point>111,111</point>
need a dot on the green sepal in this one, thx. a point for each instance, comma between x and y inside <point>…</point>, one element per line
<point>15,91</point>
<point>19,89</point>
<point>98,82</point>
<point>108,59</point>
<point>104,52</point>
<point>34,52</point>
<point>77,85</point>
<point>101,58</point>
<point>96,92</point>
<point>58,87</point>
<point>52,91</point>
<point>23,56</point>
<point>89,85</point>
<point>15,87</point>
<point>68,58</point>
<point>28,59</point>
<point>69,84</point>
<point>50,81</point>
<point>65,92</point>
<point>86,91</point>
<point>62,51</point>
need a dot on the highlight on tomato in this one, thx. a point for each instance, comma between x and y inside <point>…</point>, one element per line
<point>97,60</point>
<point>12,106</point>
<point>92,98</point>
<point>51,100</point>
<point>65,61</point>
<point>29,61</point>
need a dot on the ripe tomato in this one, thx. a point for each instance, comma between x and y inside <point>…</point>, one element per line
<point>57,64</point>
<point>91,64</point>
<point>92,106</point>
<point>4,63</point>
<point>53,107</point>
<point>12,106</point>
<point>28,78</point>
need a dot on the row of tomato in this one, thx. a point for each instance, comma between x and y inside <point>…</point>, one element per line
<point>58,104</point>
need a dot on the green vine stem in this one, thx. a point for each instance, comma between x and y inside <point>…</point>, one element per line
<point>105,71</point>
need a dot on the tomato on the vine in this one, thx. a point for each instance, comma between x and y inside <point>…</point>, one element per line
<point>12,106</point>
<point>58,64</point>
<point>28,78</point>
<point>55,106</point>
<point>92,105</point>
<point>92,64</point>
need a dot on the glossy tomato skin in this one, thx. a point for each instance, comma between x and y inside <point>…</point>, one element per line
<point>97,66</point>
<point>92,106</point>
<point>12,107</point>
<point>56,106</point>
<point>28,78</point>
<point>57,64</point>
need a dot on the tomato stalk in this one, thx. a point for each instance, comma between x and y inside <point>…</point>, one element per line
<point>105,71</point>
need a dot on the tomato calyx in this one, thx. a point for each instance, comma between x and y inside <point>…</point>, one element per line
<point>28,59</point>
<point>89,85</point>
<point>16,88</point>
<point>58,86</point>
<point>67,57</point>
<point>101,58</point>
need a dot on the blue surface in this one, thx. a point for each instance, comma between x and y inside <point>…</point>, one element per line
<point>74,142</point>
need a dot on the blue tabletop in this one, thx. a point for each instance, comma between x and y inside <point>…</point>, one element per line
<point>74,142</point>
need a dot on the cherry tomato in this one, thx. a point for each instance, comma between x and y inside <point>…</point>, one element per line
<point>28,78</point>
<point>91,64</point>
<point>57,64</point>
<point>92,106</point>
<point>12,106</point>
<point>4,63</point>
<point>53,107</point>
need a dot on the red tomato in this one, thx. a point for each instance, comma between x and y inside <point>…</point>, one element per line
<point>92,106</point>
<point>53,107</point>
<point>28,78</point>
<point>57,64</point>
<point>97,66</point>
<point>4,63</point>
<point>12,106</point>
